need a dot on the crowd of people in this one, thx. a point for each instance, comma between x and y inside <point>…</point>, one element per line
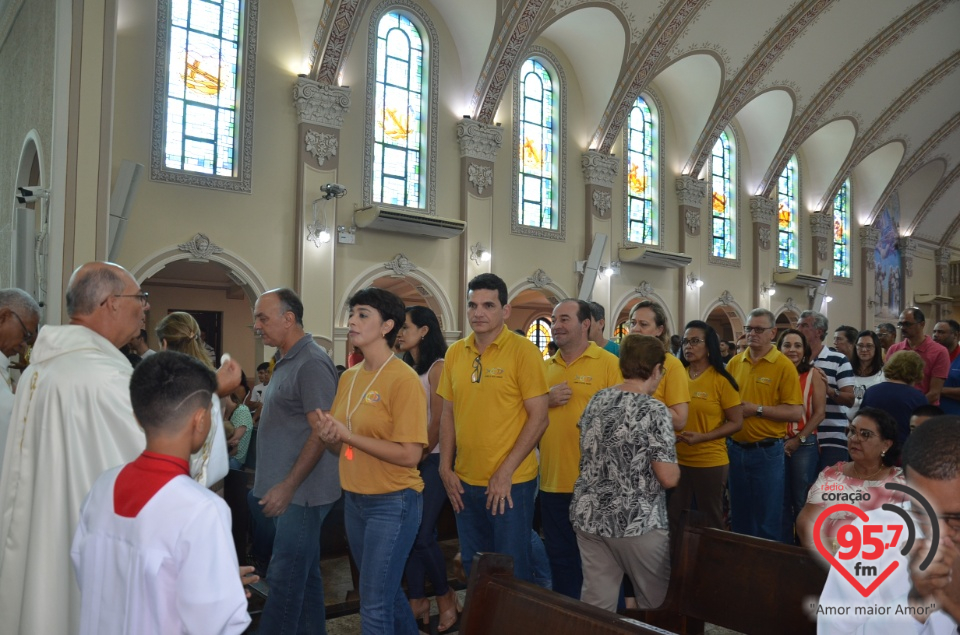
<point>106,465</point>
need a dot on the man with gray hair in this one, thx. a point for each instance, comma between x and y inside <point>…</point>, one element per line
<point>72,419</point>
<point>19,318</point>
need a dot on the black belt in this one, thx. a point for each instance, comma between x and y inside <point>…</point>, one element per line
<point>766,443</point>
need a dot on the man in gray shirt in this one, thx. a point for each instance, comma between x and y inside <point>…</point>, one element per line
<point>297,483</point>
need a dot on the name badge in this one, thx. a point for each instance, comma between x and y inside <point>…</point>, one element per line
<point>766,381</point>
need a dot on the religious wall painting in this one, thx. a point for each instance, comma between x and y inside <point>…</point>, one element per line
<point>888,287</point>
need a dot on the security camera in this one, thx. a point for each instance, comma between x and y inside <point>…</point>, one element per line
<point>333,190</point>
<point>31,194</point>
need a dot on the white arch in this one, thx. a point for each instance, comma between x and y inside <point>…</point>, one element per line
<point>635,294</point>
<point>547,287</point>
<point>727,302</point>
<point>440,304</point>
<point>31,151</point>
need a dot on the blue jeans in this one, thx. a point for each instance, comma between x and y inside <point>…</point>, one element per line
<point>561,543</point>
<point>799,474</point>
<point>381,529</point>
<point>426,559</point>
<point>756,490</point>
<point>507,533</point>
<point>295,603</point>
<point>831,455</point>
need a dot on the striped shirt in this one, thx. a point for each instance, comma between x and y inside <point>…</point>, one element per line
<point>833,430</point>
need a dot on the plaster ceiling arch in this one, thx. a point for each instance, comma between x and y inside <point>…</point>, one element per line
<point>594,39</point>
<point>763,123</point>
<point>471,23</point>
<point>824,151</point>
<point>689,88</point>
<point>916,190</point>
<point>938,211</point>
<point>871,177</point>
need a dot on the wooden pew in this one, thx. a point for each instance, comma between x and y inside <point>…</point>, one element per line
<point>746,584</point>
<point>499,603</point>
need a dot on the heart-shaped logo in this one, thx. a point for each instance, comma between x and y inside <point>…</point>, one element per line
<point>818,541</point>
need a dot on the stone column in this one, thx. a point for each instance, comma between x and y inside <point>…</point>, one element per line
<point>821,230</point>
<point>479,144</point>
<point>908,249</point>
<point>691,193</point>
<point>942,260</point>
<point>763,214</point>
<point>320,112</point>
<point>871,294</point>
<point>599,174</point>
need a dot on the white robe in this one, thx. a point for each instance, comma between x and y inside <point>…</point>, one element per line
<point>171,569</point>
<point>72,420</point>
<point>6,404</point>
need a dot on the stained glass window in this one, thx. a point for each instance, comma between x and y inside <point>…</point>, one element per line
<point>642,224</point>
<point>536,146</point>
<point>723,205</point>
<point>539,334</point>
<point>787,216</point>
<point>620,331</point>
<point>841,232</point>
<point>397,132</point>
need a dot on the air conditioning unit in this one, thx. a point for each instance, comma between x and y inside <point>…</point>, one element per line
<point>653,257</point>
<point>797,279</point>
<point>931,298</point>
<point>390,220</point>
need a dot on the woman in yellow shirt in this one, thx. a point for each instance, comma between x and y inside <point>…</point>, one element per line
<point>377,426</point>
<point>714,414</point>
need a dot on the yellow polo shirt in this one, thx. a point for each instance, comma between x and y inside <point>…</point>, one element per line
<point>770,381</point>
<point>674,387</point>
<point>488,415</point>
<point>710,394</point>
<point>593,371</point>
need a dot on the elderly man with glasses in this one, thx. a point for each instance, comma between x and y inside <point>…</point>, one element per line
<point>16,334</point>
<point>936,359</point>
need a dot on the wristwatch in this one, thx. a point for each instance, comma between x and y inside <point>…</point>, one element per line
<point>759,411</point>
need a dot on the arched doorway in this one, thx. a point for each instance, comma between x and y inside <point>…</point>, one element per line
<point>726,317</point>
<point>29,220</point>
<point>531,312</point>
<point>619,327</point>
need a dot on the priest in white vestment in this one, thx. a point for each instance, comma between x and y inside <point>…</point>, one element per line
<point>19,319</point>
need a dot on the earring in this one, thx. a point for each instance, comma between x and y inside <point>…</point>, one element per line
<point>883,454</point>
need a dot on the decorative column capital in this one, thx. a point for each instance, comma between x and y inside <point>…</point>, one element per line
<point>320,104</point>
<point>598,168</point>
<point>821,225</point>
<point>691,191</point>
<point>908,245</point>
<point>762,210</point>
<point>691,220</point>
<point>942,257</point>
<point>869,237</point>
<point>479,140</point>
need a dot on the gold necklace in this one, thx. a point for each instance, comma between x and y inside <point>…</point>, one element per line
<point>695,375</point>
<point>853,466</point>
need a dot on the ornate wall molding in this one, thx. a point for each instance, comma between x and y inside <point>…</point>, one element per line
<point>645,289</point>
<point>200,248</point>
<point>481,176</point>
<point>942,256</point>
<point>540,279</point>
<point>908,247</point>
<point>821,225</point>
<point>691,221</point>
<point>726,298</point>
<point>479,140</point>
<point>400,266</point>
<point>599,169</point>
<point>320,145</point>
<point>320,104</point>
<point>343,30</point>
<point>691,191</point>
<point>763,236</point>
<point>869,237</point>
<point>763,210</point>
<point>602,202</point>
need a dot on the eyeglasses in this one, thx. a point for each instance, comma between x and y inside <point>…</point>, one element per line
<point>27,333</point>
<point>901,325</point>
<point>866,435</point>
<point>477,371</point>
<point>143,296</point>
<point>693,341</point>
<point>756,329</point>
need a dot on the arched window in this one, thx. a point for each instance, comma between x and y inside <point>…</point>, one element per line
<point>398,138</point>
<point>641,142</point>
<point>201,131</point>
<point>723,242</point>
<point>787,216</point>
<point>841,231</point>
<point>538,156</point>
<point>539,333</point>
<point>621,331</point>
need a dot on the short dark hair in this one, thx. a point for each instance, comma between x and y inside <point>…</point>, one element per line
<point>167,387</point>
<point>887,427</point>
<point>953,324</point>
<point>933,449</point>
<point>597,312</point>
<point>916,313</point>
<point>290,301</point>
<point>490,282</point>
<point>639,355</point>
<point>263,366</point>
<point>389,306</point>
<point>143,335</point>
<point>848,332</point>
<point>887,327</point>
<point>927,410</point>
<point>584,309</point>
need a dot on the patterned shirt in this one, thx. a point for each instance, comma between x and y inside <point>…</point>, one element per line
<point>617,493</point>
<point>832,431</point>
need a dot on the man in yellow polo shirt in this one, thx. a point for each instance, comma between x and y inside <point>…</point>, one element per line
<point>494,412</point>
<point>575,374</point>
<point>649,318</point>
<point>770,390</point>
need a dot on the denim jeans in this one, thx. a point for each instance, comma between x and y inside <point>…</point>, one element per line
<point>295,603</point>
<point>561,543</point>
<point>800,472</point>
<point>507,533</point>
<point>831,455</point>
<point>381,529</point>
<point>426,559</point>
<point>756,490</point>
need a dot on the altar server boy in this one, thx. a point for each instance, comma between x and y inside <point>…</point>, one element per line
<point>153,551</point>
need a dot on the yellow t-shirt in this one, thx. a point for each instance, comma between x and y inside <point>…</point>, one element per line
<point>489,414</point>
<point>394,407</point>
<point>593,371</point>
<point>770,381</point>
<point>710,394</point>
<point>674,386</point>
